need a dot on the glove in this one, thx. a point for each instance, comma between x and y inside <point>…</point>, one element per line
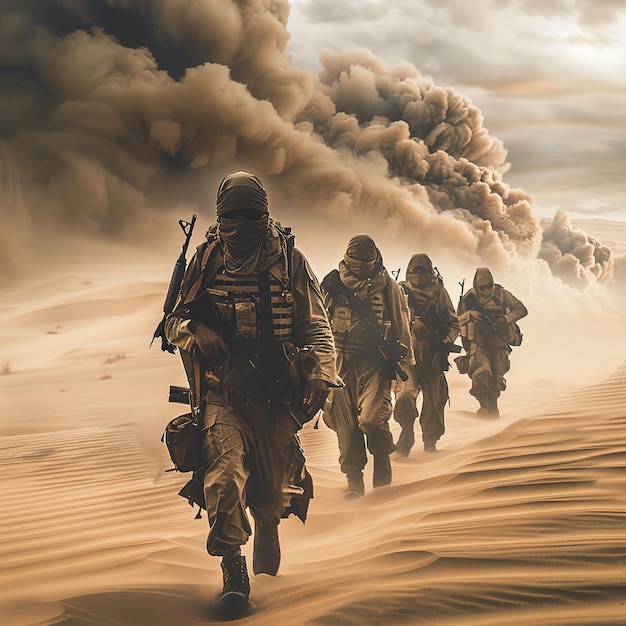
<point>502,321</point>
<point>315,396</point>
<point>209,342</point>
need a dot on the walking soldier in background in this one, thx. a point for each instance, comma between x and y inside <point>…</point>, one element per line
<point>250,312</point>
<point>370,324</point>
<point>434,328</point>
<point>488,315</point>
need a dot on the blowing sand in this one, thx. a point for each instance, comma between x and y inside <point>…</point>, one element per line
<point>517,520</point>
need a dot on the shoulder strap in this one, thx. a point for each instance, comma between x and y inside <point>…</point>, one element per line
<point>209,246</point>
<point>289,239</point>
<point>265,297</point>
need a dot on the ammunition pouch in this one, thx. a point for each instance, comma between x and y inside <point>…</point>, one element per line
<point>513,335</point>
<point>462,363</point>
<point>183,438</point>
<point>300,363</point>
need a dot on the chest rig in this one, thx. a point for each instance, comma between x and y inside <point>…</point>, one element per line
<point>257,305</point>
<point>349,332</point>
<point>494,307</point>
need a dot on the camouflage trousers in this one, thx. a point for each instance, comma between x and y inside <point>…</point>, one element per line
<point>431,418</point>
<point>359,412</point>
<point>253,462</point>
<point>487,367</point>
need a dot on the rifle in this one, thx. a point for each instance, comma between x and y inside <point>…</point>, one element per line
<point>249,361</point>
<point>176,281</point>
<point>391,351</point>
<point>458,306</point>
<point>498,330</point>
<point>434,328</point>
<point>486,316</point>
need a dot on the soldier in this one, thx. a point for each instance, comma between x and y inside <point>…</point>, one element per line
<point>488,314</point>
<point>434,327</point>
<point>246,278</point>
<point>370,324</point>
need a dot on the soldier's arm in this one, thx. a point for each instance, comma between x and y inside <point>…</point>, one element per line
<point>516,309</point>
<point>311,326</point>
<point>403,324</point>
<point>449,317</point>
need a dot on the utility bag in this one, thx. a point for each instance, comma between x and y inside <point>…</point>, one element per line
<point>183,438</point>
<point>512,334</point>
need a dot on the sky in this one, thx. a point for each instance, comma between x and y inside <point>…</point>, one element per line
<point>451,126</point>
<point>549,77</point>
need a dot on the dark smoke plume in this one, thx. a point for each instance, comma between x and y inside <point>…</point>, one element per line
<point>112,108</point>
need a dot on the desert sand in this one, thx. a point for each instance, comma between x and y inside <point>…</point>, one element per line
<point>516,520</point>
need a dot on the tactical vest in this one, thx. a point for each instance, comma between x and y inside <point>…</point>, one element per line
<point>239,299</point>
<point>483,332</point>
<point>424,311</point>
<point>493,307</point>
<point>349,335</point>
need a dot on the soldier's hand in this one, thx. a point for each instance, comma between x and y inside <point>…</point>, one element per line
<point>501,321</point>
<point>209,342</point>
<point>315,396</point>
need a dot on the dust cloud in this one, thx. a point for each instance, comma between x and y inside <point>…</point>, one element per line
<point>112,113</point>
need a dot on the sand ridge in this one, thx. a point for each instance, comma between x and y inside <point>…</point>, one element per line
<point>516,520</point>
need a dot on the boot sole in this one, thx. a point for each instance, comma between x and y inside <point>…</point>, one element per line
<point>352,495</point>
<point>234,600</point>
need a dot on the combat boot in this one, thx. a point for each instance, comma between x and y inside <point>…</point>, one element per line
<point>493,406</point>
<point>406,440</point>
<point>236,589</point>
<point>382,470</point>
<point>266,553</point>
<point>430,446</point>
<point>484,400</point>
<point>356,486</point>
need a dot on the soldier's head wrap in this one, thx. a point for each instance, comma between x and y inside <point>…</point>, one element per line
<point>362,268</point>
<point>362,257</point>
<point>249,242</point>
<point>241,190</point>
<point>419,272</point>
<point>484,285</point>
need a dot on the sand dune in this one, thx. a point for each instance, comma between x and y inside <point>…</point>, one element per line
<point>518,520</point>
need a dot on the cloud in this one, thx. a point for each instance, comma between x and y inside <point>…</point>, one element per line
<point>107,105</point>
<point>549,82</point>
<point>574,256</point>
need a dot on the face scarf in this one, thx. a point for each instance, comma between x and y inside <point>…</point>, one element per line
<point>484,285</point>
<point>250,245</point>
<point>362,268</point>
<point>420,275</point>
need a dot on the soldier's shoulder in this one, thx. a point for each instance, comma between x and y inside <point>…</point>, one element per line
<point>469,297</point>
<point>331,280</point>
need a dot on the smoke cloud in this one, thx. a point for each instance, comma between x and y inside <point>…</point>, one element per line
<point>573,255</point>
<point>111,109</point>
